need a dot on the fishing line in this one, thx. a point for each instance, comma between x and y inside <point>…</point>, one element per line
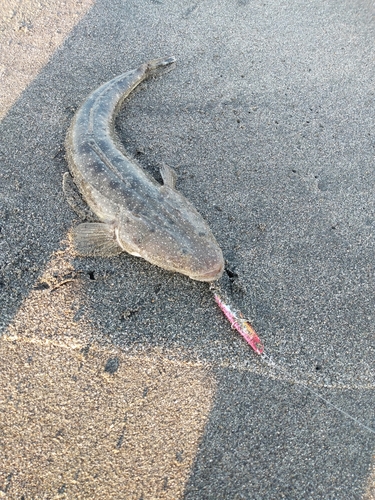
<point>243,326</point>
<point>269,362</point>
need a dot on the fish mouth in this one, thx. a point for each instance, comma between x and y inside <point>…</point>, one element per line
<point>212,275</point>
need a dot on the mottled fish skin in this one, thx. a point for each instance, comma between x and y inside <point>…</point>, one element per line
<point>149,220</point>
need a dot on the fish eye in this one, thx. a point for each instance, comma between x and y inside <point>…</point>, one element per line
<point>201,233</point>
<point>184,251</point>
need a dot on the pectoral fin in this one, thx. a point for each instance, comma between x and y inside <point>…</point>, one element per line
<point>168,175</point>
<point>95,239</point>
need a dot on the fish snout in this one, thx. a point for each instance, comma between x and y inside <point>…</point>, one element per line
<point>212,270</point>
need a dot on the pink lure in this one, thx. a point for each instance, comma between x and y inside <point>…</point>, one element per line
<point>238,322</point>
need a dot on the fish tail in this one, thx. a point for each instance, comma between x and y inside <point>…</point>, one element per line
<point>157,65</point>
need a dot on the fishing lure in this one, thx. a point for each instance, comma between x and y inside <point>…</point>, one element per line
<point>238,322</point>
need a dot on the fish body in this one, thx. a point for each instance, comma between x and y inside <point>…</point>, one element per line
<point>137,214</point>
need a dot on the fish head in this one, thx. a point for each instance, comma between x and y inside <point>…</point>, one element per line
<point>179,241</point>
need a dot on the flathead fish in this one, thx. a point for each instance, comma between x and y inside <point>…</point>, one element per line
<point>136,214</point>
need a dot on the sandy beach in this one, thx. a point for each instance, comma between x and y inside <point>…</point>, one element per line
<point>120,380</point>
